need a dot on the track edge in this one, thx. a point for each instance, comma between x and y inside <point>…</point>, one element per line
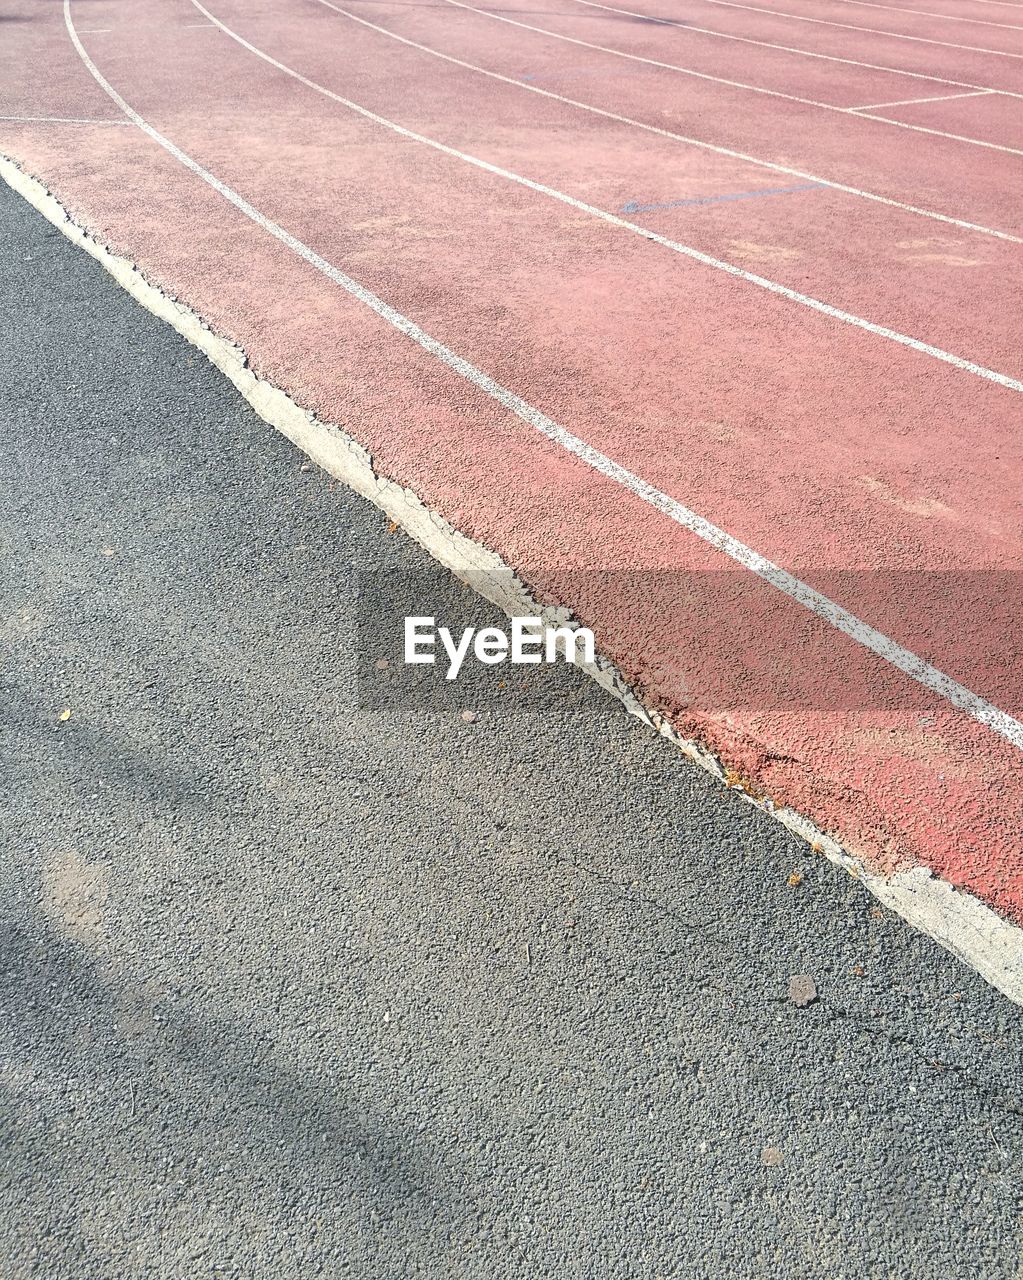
<point>952,917</point>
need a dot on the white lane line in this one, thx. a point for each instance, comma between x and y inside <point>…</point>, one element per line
<point>847,26</point>
<point>944,686</point>
<point>680,137</point>
<point>785,48</point>
<point>734,84</point>
<point>60,120</point>
<point>947,17</point>
<point>911,102</point>
<point>687,251</point>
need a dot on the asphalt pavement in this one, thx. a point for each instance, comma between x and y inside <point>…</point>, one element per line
<point>298,985</point>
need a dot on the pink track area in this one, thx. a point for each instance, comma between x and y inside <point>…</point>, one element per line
<point>882,475</point>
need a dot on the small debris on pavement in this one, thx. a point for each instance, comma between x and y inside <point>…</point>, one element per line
<point>306,466</point>
<point>65,714</point>
<point>468,716</point>
<point>771,1157</point>
<point>795,879</point>
<point>381,664</point>
<point>802,990</point>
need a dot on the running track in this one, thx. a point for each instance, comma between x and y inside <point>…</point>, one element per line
<point>702,315</point>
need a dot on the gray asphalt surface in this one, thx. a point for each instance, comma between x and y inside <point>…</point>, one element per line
<point>291,988</point>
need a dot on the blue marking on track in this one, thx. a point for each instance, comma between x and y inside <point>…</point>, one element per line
<point>634,207</point>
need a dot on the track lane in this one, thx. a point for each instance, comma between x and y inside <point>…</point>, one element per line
<point>994,42</point>
<point>927,22</point>
<point>771,230</point>
<point>935,11</point>
<point>63,93</point>
<point>976,7</point>
<point>693,29</point>
<point>979,116</point>
<point>643,52</point>
<point>595,211</point>
<point>435,228</point>
<point>846,147</point>
<point>989,70</point>
<point>807,179</point>
<point>990,117</point>
<point>767,67</point>
<point>997,120</point>
<point>865,765</point>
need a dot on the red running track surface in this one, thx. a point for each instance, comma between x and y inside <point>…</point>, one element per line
<point>817,353</point>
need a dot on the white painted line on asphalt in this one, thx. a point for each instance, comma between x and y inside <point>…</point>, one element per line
<point>883,646</point>
<point>782,48</point>
<point>679,137</point>
<point>732,84</point>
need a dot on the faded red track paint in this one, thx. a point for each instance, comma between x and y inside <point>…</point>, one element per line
<point>824,447</point>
